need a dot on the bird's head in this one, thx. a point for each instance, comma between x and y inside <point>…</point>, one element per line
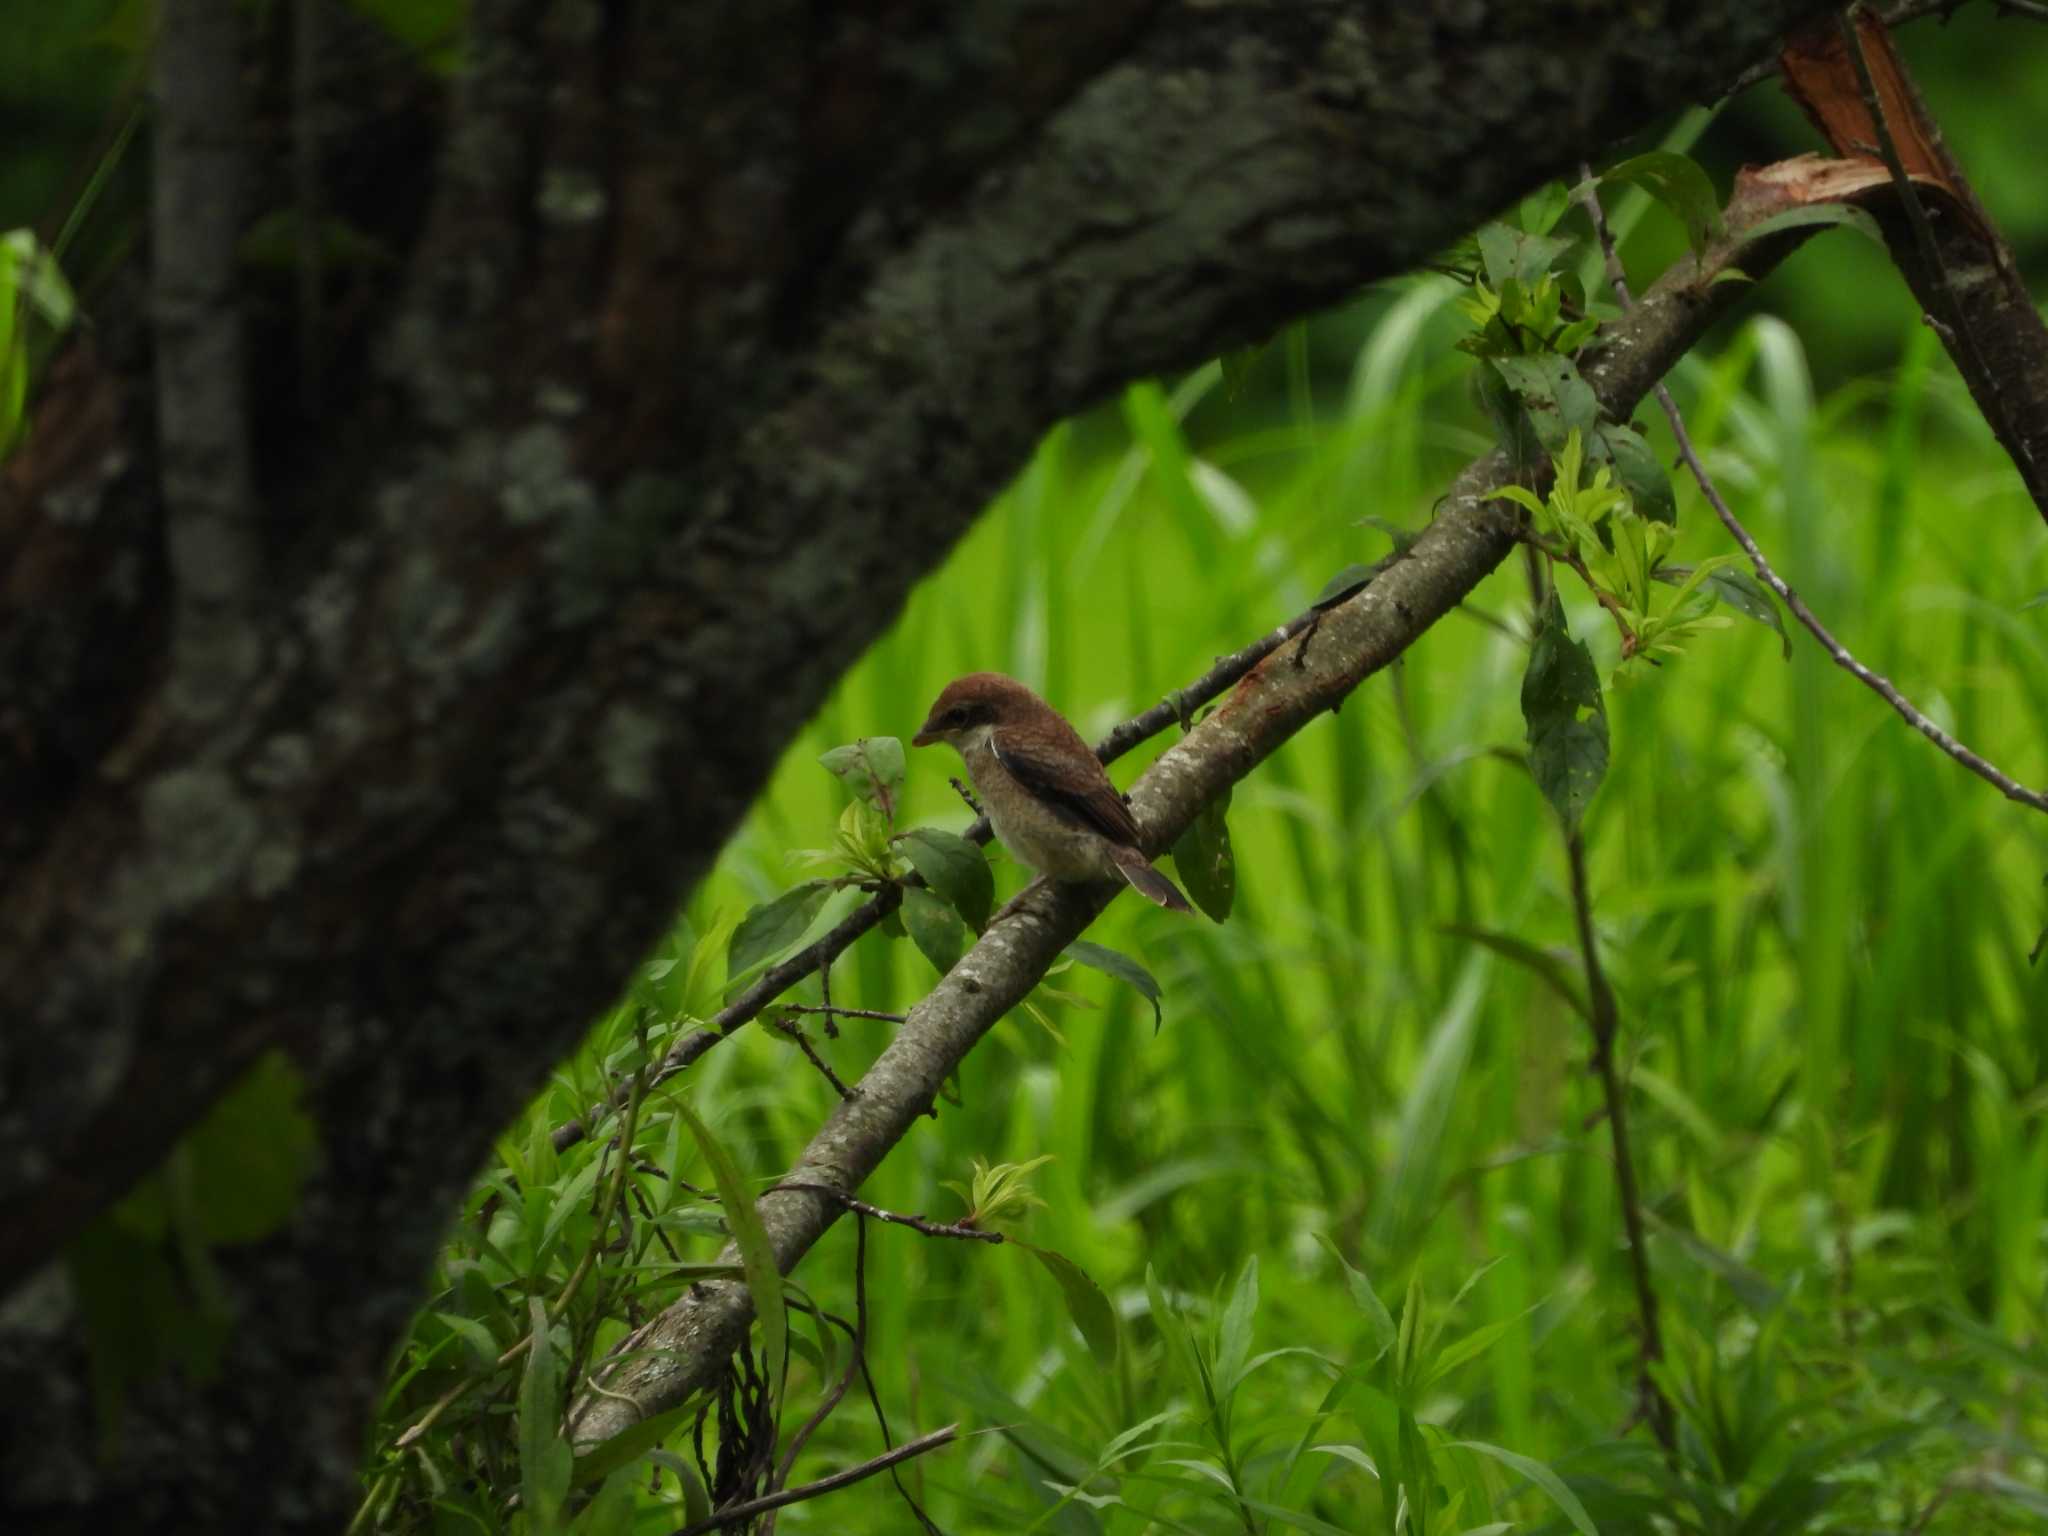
<point>973,704</point>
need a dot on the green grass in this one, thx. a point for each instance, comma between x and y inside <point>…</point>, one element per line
<point>1817,926</point>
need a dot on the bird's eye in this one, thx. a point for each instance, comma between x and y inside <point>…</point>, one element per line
<point>957,715</point>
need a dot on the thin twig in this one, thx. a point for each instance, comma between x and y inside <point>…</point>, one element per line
<point>894,1218</point>
<point>909,1450</point>
<point>843,1013</point>
<point>790,1028</point>
<point>1653,1404</point>
<point>961,789</point>
<point>825,994</point>
<point>2007,786</point>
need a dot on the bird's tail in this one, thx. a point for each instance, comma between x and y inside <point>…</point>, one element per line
<point>1146,880</point>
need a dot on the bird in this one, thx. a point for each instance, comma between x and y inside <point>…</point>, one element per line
<point>1044,790</point>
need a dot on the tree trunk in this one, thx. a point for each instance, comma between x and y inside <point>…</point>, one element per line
<point>379,701</point>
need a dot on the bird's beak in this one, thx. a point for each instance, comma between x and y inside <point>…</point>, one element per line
<point>925,737</point>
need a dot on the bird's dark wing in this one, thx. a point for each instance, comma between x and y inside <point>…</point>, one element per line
<point>1073,781</point>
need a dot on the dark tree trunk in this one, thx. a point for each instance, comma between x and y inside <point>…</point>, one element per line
<point>379,701</point>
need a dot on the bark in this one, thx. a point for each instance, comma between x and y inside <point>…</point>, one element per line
<point>1940,234</point>
<point>647,432</point>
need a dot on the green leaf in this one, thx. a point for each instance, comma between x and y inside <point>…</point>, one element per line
<point>1113,963</point>
<point>252,1154</point>
<point>1750,1288</point>
<point>1557,400</point>
<point>1566,718</point>
<point>1559,972</point>
<point>1542,1477</point>
<point>1678,183</point>
<point>628,1445</point>
<point>483,1348</point>
<point>696,1498</point>
<point>1173,1333</point>
<point>38,279</point>
<point>610,1513</point>
<point>1733,585</point>
<point>757,1256</point>
<point>1086,1304</point>
<point>872,768</point>
<point>545,1460</point>
<point>1512,255</point>
<point>1408,1334</point>
<point>1234,1328</point>
<point>1542,208</point>
<point>1208,867</point>
<point>1752,599</point>
<point>1377,1318</point>
<point>1237,367</point>
<point>773,926</point>
<point>955,868</point>
<point>1841,214</point>
<point>1641,473</point>
<point>934,928</point>
<point>1511,425</point>
<point>1474,1343</point>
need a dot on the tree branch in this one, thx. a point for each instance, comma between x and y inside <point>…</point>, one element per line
<point>1472,533</point>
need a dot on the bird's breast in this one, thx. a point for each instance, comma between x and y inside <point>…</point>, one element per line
<point>1052,841</point>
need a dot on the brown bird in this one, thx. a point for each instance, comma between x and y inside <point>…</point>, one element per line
<point>1045,792</point>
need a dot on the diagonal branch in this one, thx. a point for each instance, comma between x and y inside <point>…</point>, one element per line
<point>1297,682</point>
